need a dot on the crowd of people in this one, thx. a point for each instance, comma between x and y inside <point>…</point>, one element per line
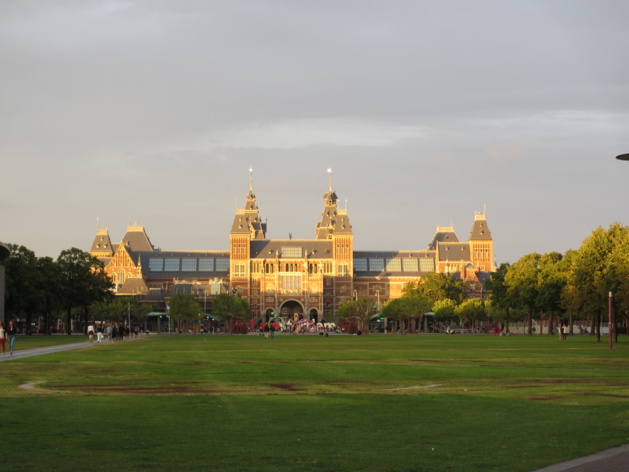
<point>112,331</point>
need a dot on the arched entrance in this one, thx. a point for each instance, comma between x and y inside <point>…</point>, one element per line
<point>292,310</point>
<point>314,315</point>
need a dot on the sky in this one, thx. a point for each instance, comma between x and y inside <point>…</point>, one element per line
<point>153,112</point>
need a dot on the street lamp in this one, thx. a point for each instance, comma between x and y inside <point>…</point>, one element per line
<point>611,325</point>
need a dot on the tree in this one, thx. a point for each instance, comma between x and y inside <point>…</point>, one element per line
<point>600,266</point>
<point>471,311</point>
<point>22,281</point>
<point>522,282</point>
<point>444,310</point>
<point>360,309</point>
<point>413,308</point>
<point>552,280</point>
<point>185,307</point>
<point>48,286</point>
<point>437,287</point>
<point>501,298</point>
<point>83,282</point>
<point>393,310</point>
<point>227,306</point>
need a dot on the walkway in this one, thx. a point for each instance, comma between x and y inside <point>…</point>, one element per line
<point>39,351</point>
<point>611,460</point>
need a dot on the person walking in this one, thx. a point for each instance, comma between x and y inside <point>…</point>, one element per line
<point>3,338</point>
<point>12,335</point>
<point>90,332</point>
<point>99,333</point>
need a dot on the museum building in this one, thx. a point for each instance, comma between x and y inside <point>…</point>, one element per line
<point>292,277</point>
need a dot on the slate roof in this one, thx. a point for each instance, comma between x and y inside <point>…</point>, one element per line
<point>333,220</point>
<point>272,248</point>
<point>247,220</point>
<point>453,252</point>
<point>133,286</point>
<point>136,240</point>
<point>443,235</point>
<point>480,230</point>
<point>102,242</point>
<point>148,268</point>
<point>406,268</point>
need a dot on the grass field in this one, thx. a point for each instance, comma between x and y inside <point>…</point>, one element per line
<point>305,403</point>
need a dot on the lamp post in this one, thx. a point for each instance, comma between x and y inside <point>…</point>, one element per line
<point>620,157</point>
<point>610,320</point>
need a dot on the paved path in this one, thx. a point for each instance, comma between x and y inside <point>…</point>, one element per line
<point>39,351</point>
<point>611,460</point>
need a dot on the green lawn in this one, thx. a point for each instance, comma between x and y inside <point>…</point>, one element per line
<point>305,403</point>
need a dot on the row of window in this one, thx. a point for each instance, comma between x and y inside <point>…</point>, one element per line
<point>176,264</point>
<point>394,265</point>
<point>256,268</point>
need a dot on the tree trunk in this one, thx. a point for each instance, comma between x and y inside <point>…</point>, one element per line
<point>29,319</point>
<point>69,321</point>
<point>530,322</point>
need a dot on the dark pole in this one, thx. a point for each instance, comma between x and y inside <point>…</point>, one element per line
<point>610,317</point>
<point>623,157</point>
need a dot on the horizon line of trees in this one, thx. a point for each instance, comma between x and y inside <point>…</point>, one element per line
<point>42,286</point>
<point>552,287</point>
<point>555,287</point>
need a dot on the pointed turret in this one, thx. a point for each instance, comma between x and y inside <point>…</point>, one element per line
<point>137,240</point>
<point>481,244</point>
<point>480,230</point>
<point>333,220</point>
<point>102,247</point>
<point>247,220</point>
<point>444,234</point>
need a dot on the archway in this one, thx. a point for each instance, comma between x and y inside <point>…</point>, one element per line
<point>314,315</point>
<point>292,310</point>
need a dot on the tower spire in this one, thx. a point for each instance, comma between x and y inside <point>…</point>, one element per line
<point>330,178</point>
<point>250,179</point>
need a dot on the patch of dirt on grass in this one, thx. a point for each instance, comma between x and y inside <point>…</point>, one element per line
<point>613,395</point>
<point>33,387</point>
<point>412,387</point>
<point>566,381</point>
<point>287,387</point>
<point>434,361</point>
<point>117,389</point>
<point>543,399</point>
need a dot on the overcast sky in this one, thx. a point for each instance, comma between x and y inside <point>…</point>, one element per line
<point>153,111</point>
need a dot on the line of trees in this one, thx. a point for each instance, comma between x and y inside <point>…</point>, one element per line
<point>553,288</point>
<point>225,306</point>
<point>69,285</point>
<point>567,287</point>
<point>438,293</point>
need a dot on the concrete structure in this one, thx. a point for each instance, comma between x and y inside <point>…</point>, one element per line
<point>308,278</point>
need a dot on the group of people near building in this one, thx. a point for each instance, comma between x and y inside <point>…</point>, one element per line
<point>8,334</point>
<point>113,331</point>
